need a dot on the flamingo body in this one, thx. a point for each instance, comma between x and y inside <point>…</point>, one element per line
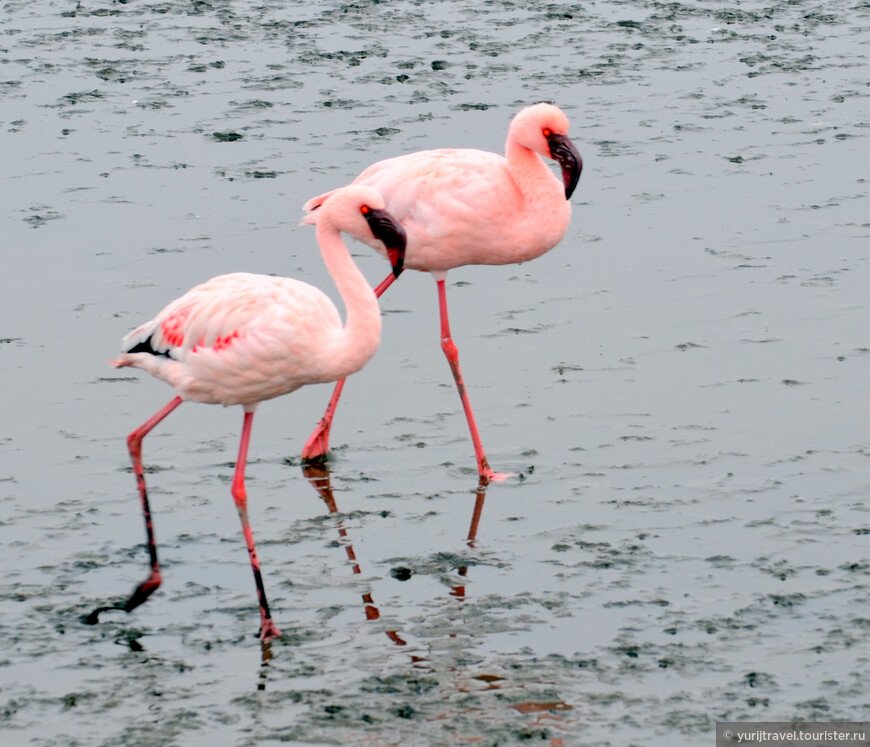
<point>461,206</point>
<point>240,339</point>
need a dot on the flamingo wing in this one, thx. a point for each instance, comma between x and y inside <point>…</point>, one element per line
<point>212,314</point>
<point>433,185</point>
<point>236,338</point>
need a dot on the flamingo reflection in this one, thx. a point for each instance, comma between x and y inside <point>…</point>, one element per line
<point>319,477</point>
<point>266,656</point>
<point>549,714</point>
<point>459,590</point>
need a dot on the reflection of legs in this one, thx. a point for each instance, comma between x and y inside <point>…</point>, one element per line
<point>459,591</point>
<point>318,476</point>
<point>134,445</point>
<point>318,442</point>
<point>268,630</point>
<point>449,348</point>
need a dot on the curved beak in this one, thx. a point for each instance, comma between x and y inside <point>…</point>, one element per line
<point>387,229</point>
<point>562,151</point>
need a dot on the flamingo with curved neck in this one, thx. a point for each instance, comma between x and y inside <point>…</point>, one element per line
<point>240,339</point>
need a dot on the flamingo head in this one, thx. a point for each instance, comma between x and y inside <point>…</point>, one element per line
<point>361,211</point>
<point>388,230</point>
<point>543,128</point>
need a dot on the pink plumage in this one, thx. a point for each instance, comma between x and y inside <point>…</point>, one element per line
<point>240,339</point>
<point>463,206</point>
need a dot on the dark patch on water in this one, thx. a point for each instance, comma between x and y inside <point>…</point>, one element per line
<point>227,137</point>
<point>39,215</point>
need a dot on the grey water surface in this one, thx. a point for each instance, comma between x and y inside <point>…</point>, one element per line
<point>680,387</point>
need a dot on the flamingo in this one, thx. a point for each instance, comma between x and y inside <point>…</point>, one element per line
<point>239,339</point>
<point>471,207</point>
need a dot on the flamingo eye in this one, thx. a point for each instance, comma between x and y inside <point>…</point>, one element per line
<point>365,209</point>
<point>547,132</point>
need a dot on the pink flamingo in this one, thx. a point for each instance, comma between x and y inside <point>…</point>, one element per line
<point>240,339</point>
<point>466,207</point>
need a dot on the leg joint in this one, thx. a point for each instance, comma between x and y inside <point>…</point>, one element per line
<point>450,349</point>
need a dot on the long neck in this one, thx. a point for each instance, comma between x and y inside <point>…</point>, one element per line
<point>358,340</point>
<point>533,177</point>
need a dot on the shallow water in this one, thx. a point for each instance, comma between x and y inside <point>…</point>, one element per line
<point>680,387</point>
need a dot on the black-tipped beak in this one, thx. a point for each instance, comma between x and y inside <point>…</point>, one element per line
<point>387,229</point>
<point>562,151</point>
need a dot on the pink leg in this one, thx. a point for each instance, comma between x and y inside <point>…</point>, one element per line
<point>449,348</point>
<point>134,445</point>
<point>268,629</point>
<point>318,442</point>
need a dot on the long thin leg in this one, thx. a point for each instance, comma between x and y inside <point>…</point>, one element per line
<point>318,442</point>
<point>452,354</point>
<point>134,445</point>
<point>268,629</point>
